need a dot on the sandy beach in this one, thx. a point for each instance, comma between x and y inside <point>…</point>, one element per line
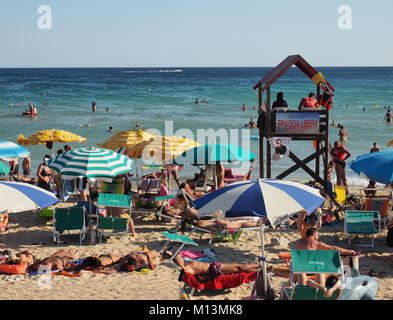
<point>28,231</point>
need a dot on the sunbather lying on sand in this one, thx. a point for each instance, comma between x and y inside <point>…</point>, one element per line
<point>100,262</point>
<point>197,268</point>
<point>223,224</point>
<point>139,260</point>
<point>56,262</point>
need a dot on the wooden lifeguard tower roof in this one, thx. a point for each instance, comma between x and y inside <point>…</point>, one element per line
<point>283,67</point>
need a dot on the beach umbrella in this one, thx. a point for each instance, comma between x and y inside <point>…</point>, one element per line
<point>48,137</point>
<point>275,199</point>
<point>92,163</point>
<point>126,139</point>
<point>211,153</point>
<point>162,149</point>
<point>10,151</point>
<point>377,166</point>
<point>4,170</point>
<point>19,196</point>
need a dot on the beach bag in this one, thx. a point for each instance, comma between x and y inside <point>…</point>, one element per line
<point>326,100</point>
<point>389,238</point>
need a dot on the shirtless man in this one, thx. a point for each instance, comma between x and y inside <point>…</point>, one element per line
<point>375,148</point>
<point>388,116</point>
<point>343,134</point>
<point>311,243</point>
<point>219,224</point>
<point>197,268</point>
<point>26,166</point>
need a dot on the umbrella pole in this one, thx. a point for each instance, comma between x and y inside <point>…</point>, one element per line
<point>263,257</point>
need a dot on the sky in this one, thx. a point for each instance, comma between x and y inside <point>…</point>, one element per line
<point>194,33</point>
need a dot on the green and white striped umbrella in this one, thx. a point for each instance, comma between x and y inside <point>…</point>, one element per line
<point>93,163</point>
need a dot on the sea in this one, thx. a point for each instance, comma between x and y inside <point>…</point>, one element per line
<point>152,96</point>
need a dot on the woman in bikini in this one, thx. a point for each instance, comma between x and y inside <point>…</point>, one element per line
<point>56,262</point>
<point>44,174</point>
<point>137,261</point>
<point>340,154</point>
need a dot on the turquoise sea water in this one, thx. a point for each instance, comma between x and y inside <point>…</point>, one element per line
<point>152,95</point>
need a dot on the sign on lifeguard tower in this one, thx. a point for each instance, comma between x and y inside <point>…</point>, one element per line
<point>297,122</point>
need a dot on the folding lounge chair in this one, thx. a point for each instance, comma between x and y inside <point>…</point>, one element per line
<point>118,225</point>
<point>210,180</point>
<point>165,201</point>
<point>173,237</point>
<point>382,205</point>
<point>341,197</point>
<point>362,222</point>
<point>312,262</point>
<point>69,219</point>
<point>220,282</point>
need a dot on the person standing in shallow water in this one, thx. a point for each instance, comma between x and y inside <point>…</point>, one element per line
<point>388,117</point>
<point>343,134</point>
<point>94,106</point>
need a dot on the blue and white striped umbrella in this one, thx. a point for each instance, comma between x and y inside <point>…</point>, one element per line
<point>275,199</point>
<point>93,163</point>
<point>11,151</point>
<point>19,196</point>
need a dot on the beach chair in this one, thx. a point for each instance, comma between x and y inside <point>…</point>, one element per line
<point>312,262</point>
<point>118,225</point>
<point>165,201</point>
<point>341,197</point>
<point>382,205</point>
<point>362,223</point>
<point>69,219</point>
<point>177,238</point>
<point>209,181</point>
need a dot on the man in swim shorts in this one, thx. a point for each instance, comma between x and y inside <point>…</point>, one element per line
<point>198,268</point>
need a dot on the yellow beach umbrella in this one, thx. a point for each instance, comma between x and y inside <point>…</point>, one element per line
<point>54,135</point>
<point>162,149</point>
<point>47,136</point>
<point>127,139</point>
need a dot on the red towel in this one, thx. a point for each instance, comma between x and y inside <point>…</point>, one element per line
<point>220,282</point>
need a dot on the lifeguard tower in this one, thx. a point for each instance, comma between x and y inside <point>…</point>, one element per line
<point>275,123</point>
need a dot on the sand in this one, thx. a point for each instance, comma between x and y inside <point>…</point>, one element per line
<point>27,230</point>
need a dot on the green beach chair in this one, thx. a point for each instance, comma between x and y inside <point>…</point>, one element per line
<point>312,262</point>
<point>118,225</point>
<point>174,237</point>
<point>69,219</point>
<point>165,200</point>
<point>362,223</point>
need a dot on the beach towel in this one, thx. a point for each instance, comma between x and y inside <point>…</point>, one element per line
<point>378,204</point>
<point>218,283</point>
<point>67,190</point>
<point>191,254</point>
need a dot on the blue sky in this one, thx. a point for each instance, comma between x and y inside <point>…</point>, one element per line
<point>194,33</point>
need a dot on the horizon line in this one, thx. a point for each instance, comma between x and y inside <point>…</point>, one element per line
<point>180,67</point>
